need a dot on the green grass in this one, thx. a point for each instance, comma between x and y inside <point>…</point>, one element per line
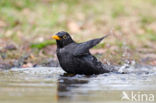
<point>43,44</point>
<point>119,44</point>
<point>147,20</point>
<point>101,45</point>
<point>148,35</point>
<point>151,35</point>
<point>118,10</point>
<point>28,20</point>
<point>118,27</point>
<point>17,4</point>
<point>153,2</point>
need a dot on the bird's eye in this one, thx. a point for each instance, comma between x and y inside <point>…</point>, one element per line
<point>64,37</point>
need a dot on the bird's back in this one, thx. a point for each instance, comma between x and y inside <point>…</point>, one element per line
<point>83,64</point>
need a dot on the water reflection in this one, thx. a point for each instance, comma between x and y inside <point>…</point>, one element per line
<point>104,87</point>
<point>68,82</point>
<point>50,85</point>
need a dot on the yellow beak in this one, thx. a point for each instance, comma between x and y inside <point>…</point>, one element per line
<point>56,37</point>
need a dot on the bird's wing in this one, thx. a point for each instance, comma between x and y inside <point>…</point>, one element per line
<point>83,48</point>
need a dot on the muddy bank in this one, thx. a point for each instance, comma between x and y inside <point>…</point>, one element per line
<point>22,63</point>
<point>11,57</point>
<point>23,56</point>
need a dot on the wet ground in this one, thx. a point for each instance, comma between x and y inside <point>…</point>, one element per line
<point>51,85</point>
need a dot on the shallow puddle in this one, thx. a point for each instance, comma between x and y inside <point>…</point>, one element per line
<point>51,85</point>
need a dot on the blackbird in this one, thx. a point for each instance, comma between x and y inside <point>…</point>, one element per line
<point>75,57</point>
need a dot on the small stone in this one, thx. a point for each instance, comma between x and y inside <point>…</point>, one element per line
<point>27,65</point>
<point>10,47</point>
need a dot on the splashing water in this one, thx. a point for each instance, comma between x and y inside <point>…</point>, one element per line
<point>44,84</point>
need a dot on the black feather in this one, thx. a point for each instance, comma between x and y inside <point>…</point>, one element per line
<point>75,57</point>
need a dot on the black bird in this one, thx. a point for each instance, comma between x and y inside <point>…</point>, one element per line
<point>75,57</point>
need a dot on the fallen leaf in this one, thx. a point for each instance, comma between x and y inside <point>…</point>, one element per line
<point>73,26</point>
<point>27,65</point>
<point>2,23</point>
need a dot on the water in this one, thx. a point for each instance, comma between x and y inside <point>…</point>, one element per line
<point>52,85</point>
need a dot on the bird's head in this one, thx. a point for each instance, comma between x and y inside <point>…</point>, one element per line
<point>62,38</point>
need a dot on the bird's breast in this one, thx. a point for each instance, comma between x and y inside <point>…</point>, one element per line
<point>65,59</point>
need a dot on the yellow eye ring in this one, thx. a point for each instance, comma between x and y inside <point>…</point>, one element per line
<point>64,37</point>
